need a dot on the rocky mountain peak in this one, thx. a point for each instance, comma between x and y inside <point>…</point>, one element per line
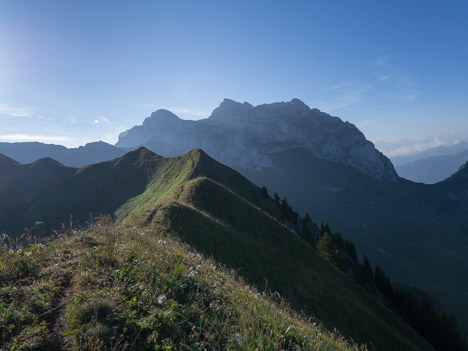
<point>299,105</point>
<point>230,110</point>
<point>161,115</point>
<point>239,134</point>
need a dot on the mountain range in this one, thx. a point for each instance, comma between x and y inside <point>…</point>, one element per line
<point>216,211</point>
<point>95,152</point>
<point>441,150</point>
<point>324,166</point>
<point>242,135</point>
<point>433,165</point>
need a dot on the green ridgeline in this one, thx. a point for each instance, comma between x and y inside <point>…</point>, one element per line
<point>223,225</point>
<point>216,211</point>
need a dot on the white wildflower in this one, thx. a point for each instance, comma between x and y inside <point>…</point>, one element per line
<point>192,274</point>
<point>237,337</point>
<point>162,298</point>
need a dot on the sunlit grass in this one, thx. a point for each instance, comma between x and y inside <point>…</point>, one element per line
<point>116,288</point>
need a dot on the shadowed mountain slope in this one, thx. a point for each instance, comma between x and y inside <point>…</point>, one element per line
<point>416,232</point>
<point>217,211</point>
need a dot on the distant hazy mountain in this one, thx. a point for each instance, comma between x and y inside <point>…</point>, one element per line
<point>244,136</point>
<point>432,169</point>
<point>436,151</point>
<point>76,157</point>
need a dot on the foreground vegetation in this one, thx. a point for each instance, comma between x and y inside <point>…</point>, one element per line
<point>116,288</point>
<point>102,284</point>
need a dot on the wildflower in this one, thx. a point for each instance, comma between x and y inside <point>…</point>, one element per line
<point>192,274</point>
<point>238,338</point>
<point>28,253</point>
<point>162,298</point>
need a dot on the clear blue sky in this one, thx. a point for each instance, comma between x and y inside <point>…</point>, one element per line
<point>78,71</point>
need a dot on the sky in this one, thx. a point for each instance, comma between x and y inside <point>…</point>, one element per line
<point>77,71</point>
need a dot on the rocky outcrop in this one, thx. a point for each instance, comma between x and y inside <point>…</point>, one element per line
<point>240,134</point>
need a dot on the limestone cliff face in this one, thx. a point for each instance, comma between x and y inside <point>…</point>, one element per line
<point>244,135</point>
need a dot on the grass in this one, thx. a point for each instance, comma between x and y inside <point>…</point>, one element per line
<point>219,223</point>
<point>415,232</point>
<point>217,212</point>
<point>116,288</point>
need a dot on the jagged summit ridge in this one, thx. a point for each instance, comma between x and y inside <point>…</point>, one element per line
<point>243,135</point>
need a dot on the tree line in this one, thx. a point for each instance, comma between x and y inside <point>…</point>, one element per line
<point>437,327</point>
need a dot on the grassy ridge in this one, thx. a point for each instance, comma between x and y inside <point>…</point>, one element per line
<point>225,226</point>
<point>223,215</point>
<point>114,288</point>
<point>46,191</point>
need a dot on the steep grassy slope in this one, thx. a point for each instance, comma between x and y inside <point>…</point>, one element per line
<point>110,288</point>
<point>46,191</point>
<point>416,232</point>
<point>49,192</point>
<point>221,214</point>
<point>223,225</point>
